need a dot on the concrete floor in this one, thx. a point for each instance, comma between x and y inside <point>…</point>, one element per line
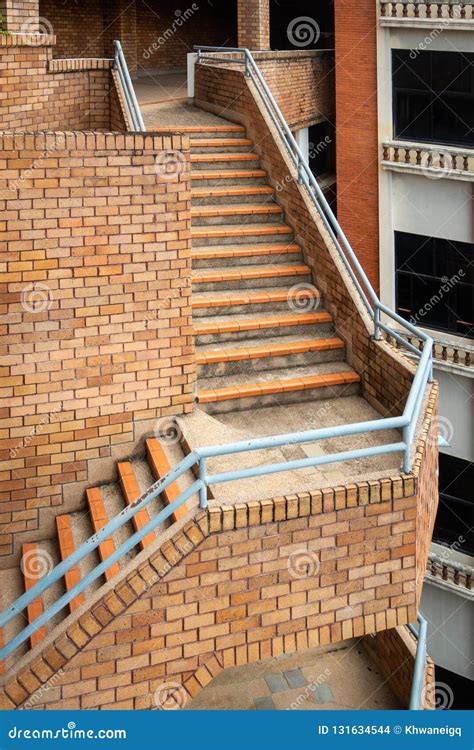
<point>160,87</point>
<point>201,429</point>
<point>337,677</point>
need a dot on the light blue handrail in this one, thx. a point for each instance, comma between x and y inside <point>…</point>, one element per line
<point>198,458</point>
<point>120,65</point>
<point>417,684</point>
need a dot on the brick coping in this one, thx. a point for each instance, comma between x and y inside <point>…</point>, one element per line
<point>66,65</point>
<point>14,39</point>
<point>154,563</point>
<point>55,140</point>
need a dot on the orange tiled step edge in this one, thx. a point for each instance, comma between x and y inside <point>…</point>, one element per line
<point>277,386</point>
<point>245,299</point>
<point>273,321</point>
<point>226,174</point>
<point>223,156</point>
<point>213,192</point>
<point>257,272</point>
<point>235,210</point>
<point>99,519</point>
<point>242,251</point>
<point>131,492</point>
<point>202,129</point>
<point>272,350</point>
<point>220,142</point>
<point>66,547</point>
<point>160,466</point>
<point>242,231</point>
<point>30,576</point>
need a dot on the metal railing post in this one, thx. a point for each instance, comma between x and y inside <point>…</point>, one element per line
<point>377,332</point>
<point>416,693</point>
<point>407,451</point>
<point>203,501</point>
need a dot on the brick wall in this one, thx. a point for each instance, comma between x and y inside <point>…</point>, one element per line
<point>235,585</point>
<point>41,94</point>
<point>20,15</point>
<point>301,82</point>
<point>357,139</point>
<point>79,27</point>
<point>254,24</point>
<point>394,651</point>
<point>95,245</point>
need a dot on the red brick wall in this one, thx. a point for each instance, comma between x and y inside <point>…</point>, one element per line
<point>39,95</point>
<point>356,121</point>
<point>93,234</point>
<point>79,27</point>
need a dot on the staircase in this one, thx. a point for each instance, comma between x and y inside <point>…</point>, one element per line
<point>73,529</point>
<point>262,336</point>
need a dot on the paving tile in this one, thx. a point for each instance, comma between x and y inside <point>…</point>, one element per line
<point>276,682</point>
<point>295,678</point>
<point>264,704</point>
<point>322,694</point>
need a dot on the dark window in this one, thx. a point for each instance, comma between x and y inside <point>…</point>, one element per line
<point>433,96</point>
<point>322,151</point>
<point>435,282</point>
<point>455,518</point>
<point>301,24</point>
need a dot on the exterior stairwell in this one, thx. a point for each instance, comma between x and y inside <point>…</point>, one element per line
<point>103,503</point>
<point>262,335</point>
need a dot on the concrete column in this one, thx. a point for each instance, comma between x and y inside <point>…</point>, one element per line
<point>22,16</point>
<point>254,24</point>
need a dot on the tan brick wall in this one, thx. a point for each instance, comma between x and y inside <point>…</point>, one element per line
<point>20,15</point>
<point>357,130</point>
<point>38,96</point>
<point>102,244</point>
<point>394,652</point>
<point>254,24</point>
<point>301,82</point>
<point>236,585</point>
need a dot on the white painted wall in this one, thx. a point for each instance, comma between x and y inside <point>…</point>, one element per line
<point>450,627</point>
<point>456,408</point>
<point>302,139</point>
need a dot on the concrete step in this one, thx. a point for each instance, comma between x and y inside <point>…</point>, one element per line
<point>217,196</point>
<point>244,277</point>
<point>224,160</point>
<point>236,214</point>
<point>8,595</point>
<point>131,492</point>
<point>160,466</point>
<point>232,177</point>
<point>226,130</point>
<point>226,234</point>
<point>258,354</point>
<point>225,328</point>
<point>259,300</point>
<point>82,530</point>
<point>235,255</point>
<point>220,145</point>
<point>273,387</point>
